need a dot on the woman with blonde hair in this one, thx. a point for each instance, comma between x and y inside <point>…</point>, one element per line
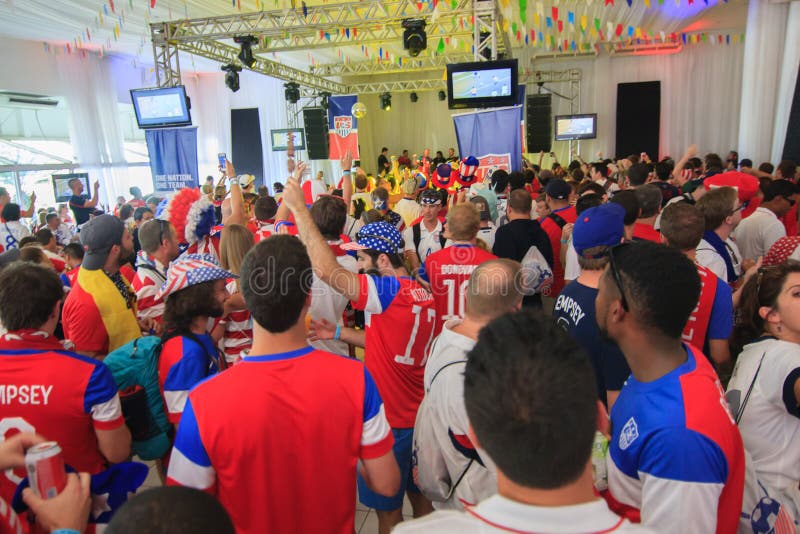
<point>235,328</point>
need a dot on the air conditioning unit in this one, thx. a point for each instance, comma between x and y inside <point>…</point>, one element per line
<point>27,100</point>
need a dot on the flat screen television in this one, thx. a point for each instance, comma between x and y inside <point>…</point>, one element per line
<point>572,127</point>
<point>280,139</point>
<point>61,185</point>
<point>161,107</point>
<point>482,84</point>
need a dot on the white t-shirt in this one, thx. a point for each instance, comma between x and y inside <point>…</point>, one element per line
<point>709,258</point>
<point>756,234</point>
<point>487,234</point>
<point>446,398</point>
<point>428,241</point>
<point>329,305</point>
<point>408,209</point>
<point>11,233</point>
<point>499,514</point>
<point>572,270</point>
<point>770,432</point>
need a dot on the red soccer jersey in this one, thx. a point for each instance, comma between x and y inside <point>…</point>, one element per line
<point>284,460</point>
<point>400,318</point>
<point>645,232</point>
<point>448,272</point>
<point>58,394</point>
<point>553,231</point>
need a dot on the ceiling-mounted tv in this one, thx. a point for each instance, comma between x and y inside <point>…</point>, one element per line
<point>572,127</point>
<point>161,107</point>
<point>482,84</point>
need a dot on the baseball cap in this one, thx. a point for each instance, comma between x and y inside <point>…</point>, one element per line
<point>245,180</point>
<point>430,197</point>
<point>378,236</point>
<point>558,189</point>
<point>190,270</point>
<point>98,235</point>
<point>746,185</point>
<point>598,226</point>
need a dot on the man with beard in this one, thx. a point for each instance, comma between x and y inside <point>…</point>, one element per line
<point>194,292</point>
<point>99,313</point>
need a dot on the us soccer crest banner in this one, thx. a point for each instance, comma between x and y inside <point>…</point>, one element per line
<point>493,137</point>
<point>342,127</point>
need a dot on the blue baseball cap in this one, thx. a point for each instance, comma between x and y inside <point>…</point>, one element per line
<point>598,226</point>
<point>558,189</point>
<point>378,236</point>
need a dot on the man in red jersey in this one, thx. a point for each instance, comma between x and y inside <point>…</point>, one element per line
<point>69,398</point>
<point>285,459</point>
<point>400,317</point>
<point>449,269</point>
<point>557,193</point>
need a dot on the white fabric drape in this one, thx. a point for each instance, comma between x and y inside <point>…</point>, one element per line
<point>94,126</point>
<point>772,52</point>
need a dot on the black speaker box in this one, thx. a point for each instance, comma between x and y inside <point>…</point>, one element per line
<point>539,123</point>
<point>315,121</point>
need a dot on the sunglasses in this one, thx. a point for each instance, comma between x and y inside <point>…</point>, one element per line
<point>742,207</point>
<point>615,273</point>
<point>161,225</point>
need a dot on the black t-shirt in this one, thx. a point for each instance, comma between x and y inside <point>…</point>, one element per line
<point>76,203</point>
<point>513,239</point>
<point>383,163</point>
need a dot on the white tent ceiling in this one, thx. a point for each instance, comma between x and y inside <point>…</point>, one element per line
<point>93,24</point>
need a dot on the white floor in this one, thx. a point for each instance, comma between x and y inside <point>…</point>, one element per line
<point>366,518</point>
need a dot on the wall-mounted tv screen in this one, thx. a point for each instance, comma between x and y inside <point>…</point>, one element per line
<point>161,107</point>
<point>482,84</point>
<point>61,185</point>
<point>280,139</point>
<point>572,127</point>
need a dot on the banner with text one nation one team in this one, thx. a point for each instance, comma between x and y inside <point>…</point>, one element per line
<point>342,127</point>
<point>173,158</point>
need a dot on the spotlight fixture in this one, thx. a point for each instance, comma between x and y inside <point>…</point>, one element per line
<point>231,76</point>
<point>292,92</point>
<point>442,95</point>
<point>323,100</point>
<point>414,97</point>
<point>246,53</point>
<point>386,101</point>
<point>415,40</point>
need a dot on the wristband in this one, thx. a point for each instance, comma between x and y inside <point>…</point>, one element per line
<point>564,241</point>
<point>65,531</point>
<point>338,333</point>
<point>346,172</point>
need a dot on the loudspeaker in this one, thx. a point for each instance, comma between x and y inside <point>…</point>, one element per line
<point>538,123</point>
<point>315,121</point>
<point>638,118</point>
<point>246,143</point>
<point>791,146</point>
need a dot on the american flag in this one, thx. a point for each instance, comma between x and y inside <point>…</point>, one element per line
<point>190,270</point>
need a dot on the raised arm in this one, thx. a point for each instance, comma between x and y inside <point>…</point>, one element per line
<point>237,200</point>
<point>677,172</point>
<point>322,259</point>
<point>28,213</point>
<point>347,179</point>
<point>95,197</point>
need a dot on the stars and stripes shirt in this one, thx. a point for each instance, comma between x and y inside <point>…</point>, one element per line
<point>150,276</point>
<point>238,334</point>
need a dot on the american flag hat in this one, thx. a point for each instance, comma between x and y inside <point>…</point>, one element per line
<point>189,270</point>
<point>443,176</point>
<point>469,166</point>
<point>378,236</point>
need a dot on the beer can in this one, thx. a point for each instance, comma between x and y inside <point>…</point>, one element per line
<point>599,459</point>
<point>45,465</point>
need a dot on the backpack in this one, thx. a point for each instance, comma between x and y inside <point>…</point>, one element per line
<point>535,274</point>
<point>558,219</point>
<point>416,233</point>
<point>429,465</point>
<point>135,370</point>
<point>134,367</point>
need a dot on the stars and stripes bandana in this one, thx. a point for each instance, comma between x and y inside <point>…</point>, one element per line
<point>189,270</point>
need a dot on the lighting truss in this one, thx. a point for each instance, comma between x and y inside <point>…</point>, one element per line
<point>389,67</point>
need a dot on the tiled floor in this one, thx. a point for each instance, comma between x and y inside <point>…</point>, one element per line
<point>366,519</point>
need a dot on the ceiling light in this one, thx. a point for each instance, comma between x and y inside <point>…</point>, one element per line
<point>415,40</point>
<point>442,95</point>
<point>232,76</point>
<point>292,92</point>
<point>246,53</point>
<point>414,97</point>
<point>386,101</point>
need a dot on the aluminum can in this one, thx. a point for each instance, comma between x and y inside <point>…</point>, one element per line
<point>45,465</point>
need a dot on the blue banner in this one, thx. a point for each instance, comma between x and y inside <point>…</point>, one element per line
<point>173,158</point>
<point>494,137</point>
<point>342,127</point>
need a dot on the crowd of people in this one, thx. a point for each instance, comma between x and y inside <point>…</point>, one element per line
<point>607,346</point>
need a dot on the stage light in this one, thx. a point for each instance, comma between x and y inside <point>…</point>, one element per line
<point>292,92</point>
<point>232,76</point>
<point>386,101</point>
<point>323,100</point>
<point>414,97</point>
<point>415,40</point>
<point>246,53</point>
<point>442,95</point>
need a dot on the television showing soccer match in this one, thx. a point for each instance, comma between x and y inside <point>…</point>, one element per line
<point>61,185</point>
<point>280,139</point>
<point>161,107</point>
<point>482,84</point>
<point>573,127</point>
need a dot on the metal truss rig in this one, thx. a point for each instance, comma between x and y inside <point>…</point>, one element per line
<point>366,22</point>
